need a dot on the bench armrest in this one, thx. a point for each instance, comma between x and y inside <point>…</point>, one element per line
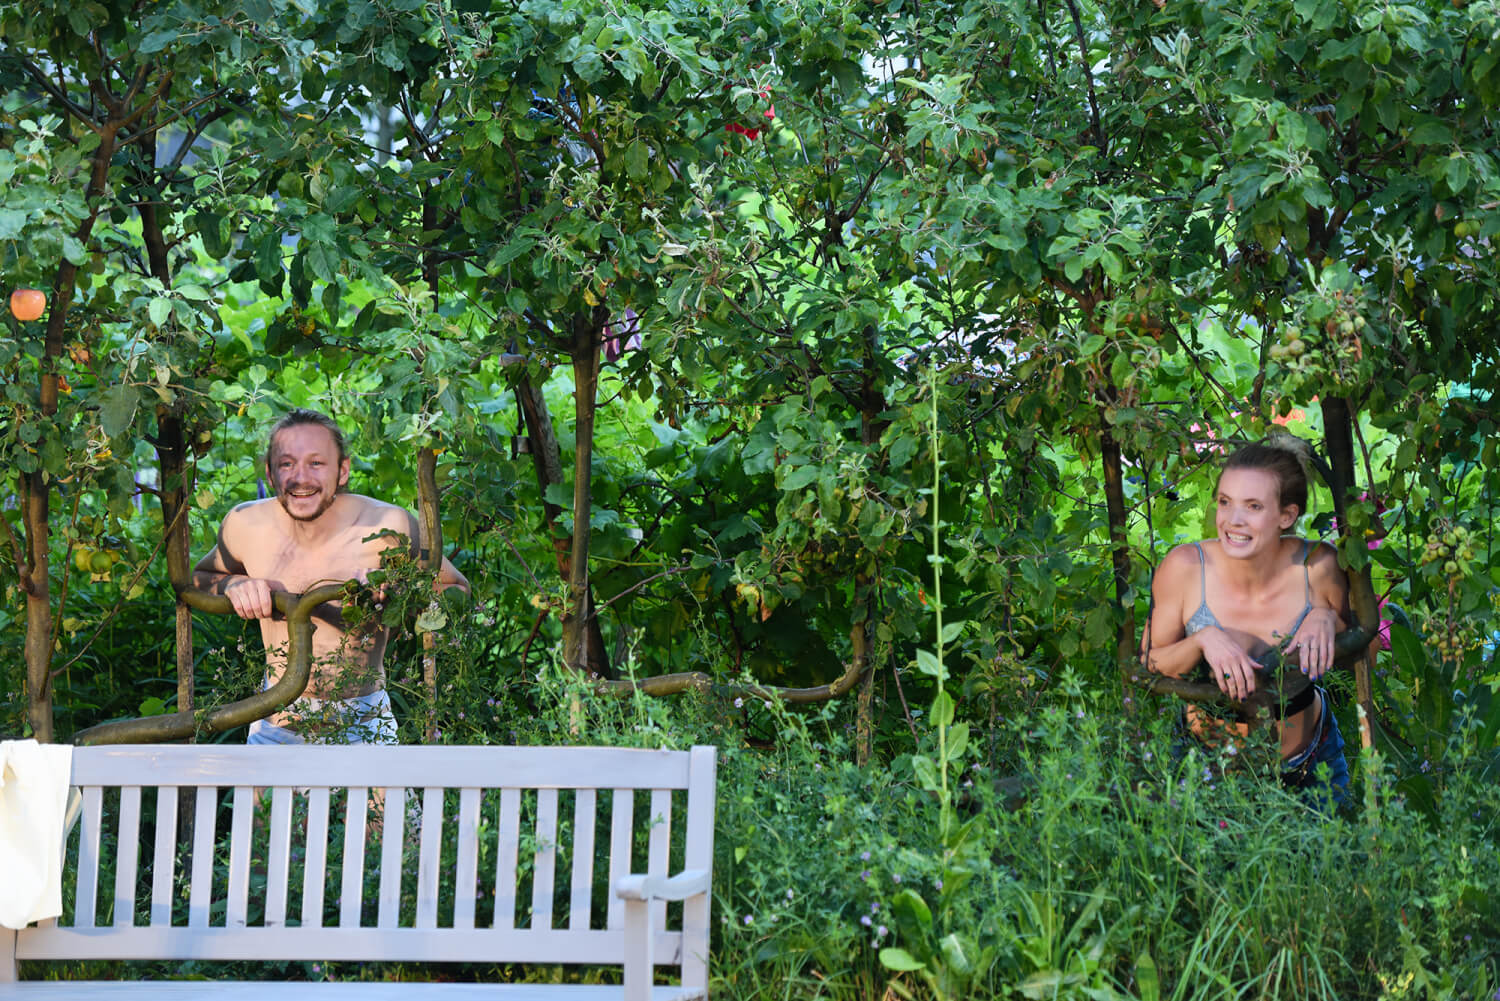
<point>679,887</point>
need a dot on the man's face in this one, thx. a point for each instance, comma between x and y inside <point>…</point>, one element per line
<point>305,470</point>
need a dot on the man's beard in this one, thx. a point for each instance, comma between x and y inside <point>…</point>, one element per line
<point>325,501</point>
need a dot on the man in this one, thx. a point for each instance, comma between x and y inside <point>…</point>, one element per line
<point>312,532</point>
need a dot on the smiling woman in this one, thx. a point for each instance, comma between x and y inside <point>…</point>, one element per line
<point>1225,602</point>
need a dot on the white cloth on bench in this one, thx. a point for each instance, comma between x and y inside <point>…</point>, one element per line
<point>33,802</point>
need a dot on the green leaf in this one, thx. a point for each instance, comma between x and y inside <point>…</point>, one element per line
<point>952,629</point>
<point>1408,650</point>
<point>913,921</point>
<point>958,741</point>
<point>636,161</point>
<point>942,709</point>
<point>159,309</point>
<point>431,620</point>
<point>1148,985</point>
<point>117,408</point>
<point>928,663</point>
<point>926,772</point>
<point>900,960</point>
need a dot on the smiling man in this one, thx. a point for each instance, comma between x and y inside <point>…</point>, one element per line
<point>313,532</point>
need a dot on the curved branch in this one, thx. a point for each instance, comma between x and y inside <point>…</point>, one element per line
<point>675,684</point>
<point>298,609</point>
<point>1277,681</point>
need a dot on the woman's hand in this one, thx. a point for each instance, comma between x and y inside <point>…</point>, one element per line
<point>1233,669</point>
<point>1313,642</point>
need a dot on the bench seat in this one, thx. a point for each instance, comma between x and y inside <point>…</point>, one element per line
<point>267,990</point>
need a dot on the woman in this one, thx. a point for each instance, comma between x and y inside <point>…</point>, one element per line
<point>1227,601</point>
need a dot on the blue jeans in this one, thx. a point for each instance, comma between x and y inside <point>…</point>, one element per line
<point>1326,748</point>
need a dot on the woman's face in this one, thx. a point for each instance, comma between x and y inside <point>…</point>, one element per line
<point>1250,517</point>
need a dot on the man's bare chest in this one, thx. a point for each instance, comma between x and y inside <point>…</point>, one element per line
<point>298,568</point>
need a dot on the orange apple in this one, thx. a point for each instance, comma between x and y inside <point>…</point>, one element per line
<point>27,304</point>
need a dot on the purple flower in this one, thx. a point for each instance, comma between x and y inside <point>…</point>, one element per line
<point>864,856</point>
<point>874,906</point>
<point>865,874</point>
<point>895,877</point>
<point>864,919</point>
<point>882,931</point>
<point>937,884</point>
<point>748,919</point>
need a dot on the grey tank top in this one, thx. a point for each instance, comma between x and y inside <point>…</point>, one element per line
<point>1203,616</point>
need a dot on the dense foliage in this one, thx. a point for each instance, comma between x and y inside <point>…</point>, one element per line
<point>816,299</point>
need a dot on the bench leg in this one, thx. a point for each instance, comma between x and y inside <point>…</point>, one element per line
<point>639,941</point>
<point>8,972</point>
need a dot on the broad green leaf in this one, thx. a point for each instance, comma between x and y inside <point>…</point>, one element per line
<point>893,958</point>
<point>117,408</point>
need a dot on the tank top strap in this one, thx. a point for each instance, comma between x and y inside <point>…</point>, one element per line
<point>1202,575</point>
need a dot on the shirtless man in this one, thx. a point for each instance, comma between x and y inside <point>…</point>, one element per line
<point>312,533</point>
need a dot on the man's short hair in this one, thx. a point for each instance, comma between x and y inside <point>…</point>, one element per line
<point>300,416</point>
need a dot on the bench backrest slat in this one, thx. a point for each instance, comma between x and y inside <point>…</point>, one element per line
<point>467,853</point>
<point>352,888</point>
<point>431,850</point>
<point>278,855</point>
<point>200,884</point>
<point>237,909</point>
<point>126,859</point>
<point>164,855</point>
<point>544,861</point>
<point>391,845</point>
<point>505,864</point>
<point>581,893</point>
<point>660,842</point>
<point>88,855</point>
<point>316,848</point>
<point>416,863</point>
<point>622,821</point>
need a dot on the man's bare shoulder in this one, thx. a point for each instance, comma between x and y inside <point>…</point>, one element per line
<point>369,511</point>
<point>250,514</point>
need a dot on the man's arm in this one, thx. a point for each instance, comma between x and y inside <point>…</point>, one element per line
<point>448,574</point>
<point>221,572</point>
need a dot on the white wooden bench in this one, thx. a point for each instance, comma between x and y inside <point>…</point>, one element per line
<point>492,860</point>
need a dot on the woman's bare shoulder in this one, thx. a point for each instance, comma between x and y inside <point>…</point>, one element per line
<point>1178,565</point>
<point>1323,563</point>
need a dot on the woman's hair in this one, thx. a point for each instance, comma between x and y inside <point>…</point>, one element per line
<point>1282,456</point>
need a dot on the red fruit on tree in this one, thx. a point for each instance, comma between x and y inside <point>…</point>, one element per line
<point>27,304</point>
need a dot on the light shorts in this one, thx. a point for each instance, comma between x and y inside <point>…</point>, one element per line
<point>364,719</point>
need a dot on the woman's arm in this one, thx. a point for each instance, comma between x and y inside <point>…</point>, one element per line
<point>1313,642</point>
<point>1165,646</point>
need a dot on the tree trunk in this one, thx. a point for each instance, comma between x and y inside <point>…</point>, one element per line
<point>579,611</point>
<point>35,503</point>
<point>36,492</point>
<point>431,550</point>
<point>171,456</point>
<point>176,493</point>
<point>546,458</point>
<point>1114,501</point>
<point>1338,440</point>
